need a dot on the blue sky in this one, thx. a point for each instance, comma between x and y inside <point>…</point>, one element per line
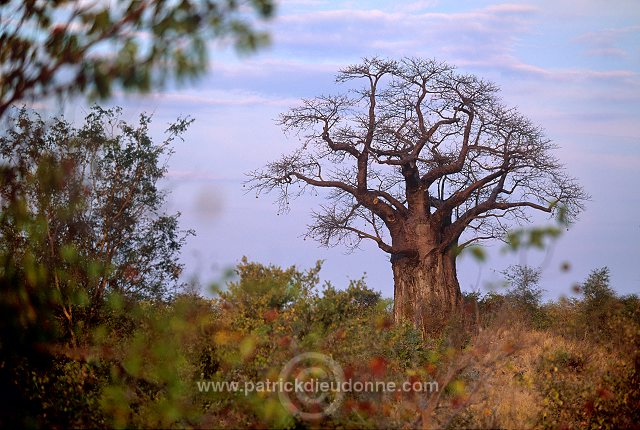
<point>571,66</point>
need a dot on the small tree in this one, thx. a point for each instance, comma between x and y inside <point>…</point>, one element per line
<point>599,299</point>
<point>423,161</point>
<point>525,294</point>
<point>82,216</point>
<point>523,285</point>
<point>596,288</point>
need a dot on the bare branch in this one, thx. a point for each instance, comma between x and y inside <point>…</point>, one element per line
<point>423,153</point>
<point>337,224</point>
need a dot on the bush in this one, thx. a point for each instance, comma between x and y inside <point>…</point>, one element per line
<point>148,363</point>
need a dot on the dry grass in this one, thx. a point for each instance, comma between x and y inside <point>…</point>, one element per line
<point>515,376</point>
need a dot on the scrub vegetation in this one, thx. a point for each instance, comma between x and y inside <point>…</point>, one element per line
<point>97,330</point>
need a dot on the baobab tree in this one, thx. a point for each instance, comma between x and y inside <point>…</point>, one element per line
<point>424,161</point>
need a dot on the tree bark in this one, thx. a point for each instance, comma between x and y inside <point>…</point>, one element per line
<point>426,290</point>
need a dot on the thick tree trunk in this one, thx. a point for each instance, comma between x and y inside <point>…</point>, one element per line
<point>427,293</point>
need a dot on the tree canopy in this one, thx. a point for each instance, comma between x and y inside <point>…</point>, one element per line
<point>419,142</point>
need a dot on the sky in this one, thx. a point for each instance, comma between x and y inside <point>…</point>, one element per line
<point>571,66</point>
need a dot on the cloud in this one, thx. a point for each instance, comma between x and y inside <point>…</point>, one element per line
<point>311,46</point>
<point>512,8</point>
<point>267,66</point>
<point>610,42</point>
<point>220,98</point>
<point>417,5</point>
<point>580,9</point>
<point>608,52</point>
<point>356,32</point>
<point>573,75</point>
<point>487,38</point>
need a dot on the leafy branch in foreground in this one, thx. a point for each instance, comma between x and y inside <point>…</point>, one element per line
<point>67,47</point>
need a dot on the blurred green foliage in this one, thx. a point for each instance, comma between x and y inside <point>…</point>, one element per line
<point>65,47</point>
